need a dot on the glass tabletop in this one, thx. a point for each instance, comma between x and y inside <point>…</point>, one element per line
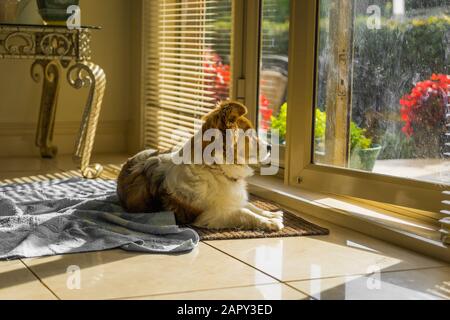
<point>49,26</point>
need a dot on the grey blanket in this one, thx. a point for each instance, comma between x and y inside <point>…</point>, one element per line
<point>76,215</point>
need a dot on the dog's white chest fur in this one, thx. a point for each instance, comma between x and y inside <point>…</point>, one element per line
<point>219,190</point>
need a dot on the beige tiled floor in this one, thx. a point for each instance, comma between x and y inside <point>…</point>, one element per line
<point>275,291</point>
<point>344,265</point>
<point>422,284</point>
<point>17,282</point>
<point>118,274</point>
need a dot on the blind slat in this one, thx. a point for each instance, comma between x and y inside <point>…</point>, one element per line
<point>179,94</point>
<point>184,84</point>
<point>169,4</point>
<point>188,103</point>
<point>172,115</point>
<point>175,76</point>
<point>190,61</point>
<point>182,107</point>
<point>186,89</point>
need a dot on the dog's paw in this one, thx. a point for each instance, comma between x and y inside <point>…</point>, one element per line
<point>278,214</point>
<point>275,224</point>
<point>273,215</point>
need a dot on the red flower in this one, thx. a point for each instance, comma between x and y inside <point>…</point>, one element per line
<point>263,101</point>
<point>424,107</point>
<point>220,74</point>
<point>265,111</point>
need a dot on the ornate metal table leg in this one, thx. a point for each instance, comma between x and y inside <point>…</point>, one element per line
<point>50,89</point>
<point>87,74</point>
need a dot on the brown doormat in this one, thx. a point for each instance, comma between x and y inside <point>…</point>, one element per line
<point>294,227</point>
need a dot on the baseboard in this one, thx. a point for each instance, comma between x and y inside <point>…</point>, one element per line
<point>18,139</point>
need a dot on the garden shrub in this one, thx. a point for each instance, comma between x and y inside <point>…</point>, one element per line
<point>388,63</point>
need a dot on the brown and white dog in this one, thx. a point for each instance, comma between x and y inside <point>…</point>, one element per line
<point>210,196</point>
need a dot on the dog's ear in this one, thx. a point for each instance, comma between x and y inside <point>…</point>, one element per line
<point>225,116</point>
<point>231,112</point>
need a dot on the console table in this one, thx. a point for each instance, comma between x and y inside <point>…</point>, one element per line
<point>56,49</point>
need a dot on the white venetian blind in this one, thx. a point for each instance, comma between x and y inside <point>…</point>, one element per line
<point>186,66</point>
<point>445,222</point>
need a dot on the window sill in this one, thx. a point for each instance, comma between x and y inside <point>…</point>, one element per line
<point>377,222</point>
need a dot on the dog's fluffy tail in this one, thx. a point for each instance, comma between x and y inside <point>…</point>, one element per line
<point>132,184</point>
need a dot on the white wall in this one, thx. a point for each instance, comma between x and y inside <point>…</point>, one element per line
<point>112,49</point>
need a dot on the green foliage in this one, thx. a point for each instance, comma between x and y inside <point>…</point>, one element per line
<point>279,31</point>
<point>397,146</point>
<point>277,10</point>
<point>358,138</point>
<point>321,124</point>
<point>279,122</point>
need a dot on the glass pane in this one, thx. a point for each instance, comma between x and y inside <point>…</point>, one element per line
<point>274,67</point>
<point>383,87</point>
<point>218,60</point>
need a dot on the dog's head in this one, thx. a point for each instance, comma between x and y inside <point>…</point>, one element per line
<point>241,144</point>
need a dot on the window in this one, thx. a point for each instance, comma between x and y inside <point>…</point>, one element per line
<point>383,87</point>
<point>273,74</point>
<point>187,52</point>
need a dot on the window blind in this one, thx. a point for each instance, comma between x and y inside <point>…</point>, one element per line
<point>445,222</point>
<point>187,49</point>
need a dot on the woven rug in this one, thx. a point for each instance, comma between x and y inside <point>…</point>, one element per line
<point>294,227</point>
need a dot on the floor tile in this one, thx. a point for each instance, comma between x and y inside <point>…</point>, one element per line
<point>29,177</point>
<point>426,284</point>
<point>262,292</point>
<point>18,283</point>
<point>31,164</point>
<point>342,253</point>
<point>118,274</point>
<point>66,162</point>
<point>20,176</point>
<point>24,170</point>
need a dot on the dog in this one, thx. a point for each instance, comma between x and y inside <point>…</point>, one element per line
<point>212,196</point>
